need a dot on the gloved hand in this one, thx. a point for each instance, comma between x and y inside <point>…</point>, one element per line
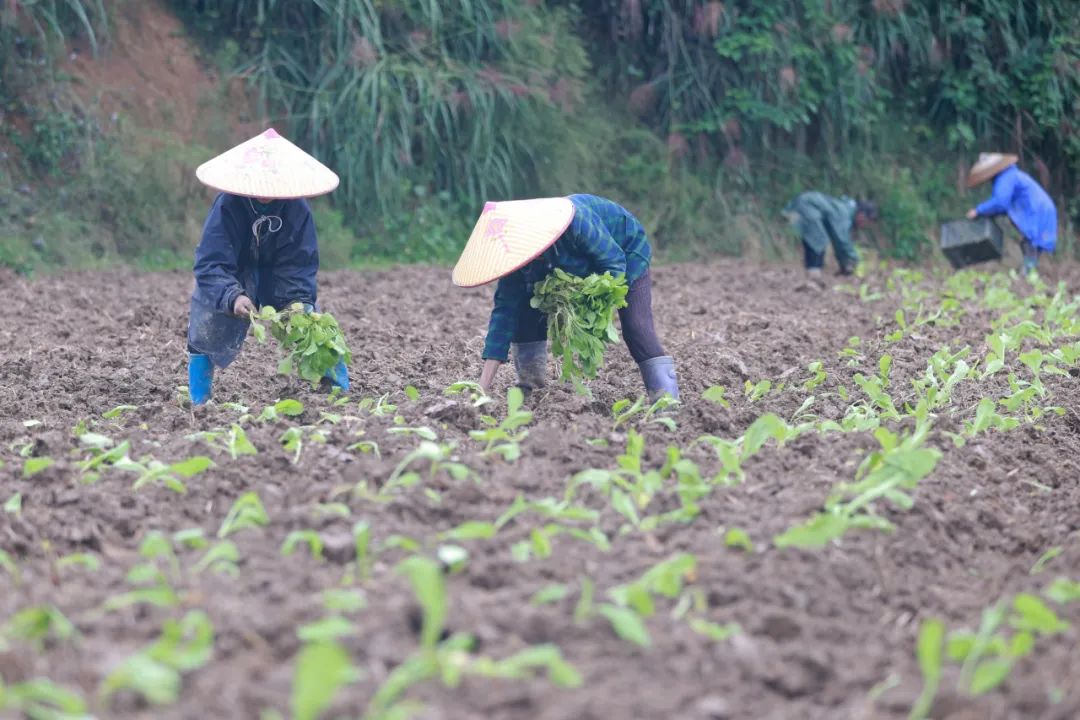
<point>242,306</point>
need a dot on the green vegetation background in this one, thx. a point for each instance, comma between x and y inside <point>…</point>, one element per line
<point>703,117</point>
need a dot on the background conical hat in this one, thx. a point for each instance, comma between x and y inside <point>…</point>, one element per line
<point>267,166</point>
<point>987,166</point>
<point>510,234</point>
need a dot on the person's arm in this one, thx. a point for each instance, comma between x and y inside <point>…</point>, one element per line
<point>216,260</point>
<point>999,200</point>
<point>296,264</point>
<point>588,235</point>
<point>509,295</point>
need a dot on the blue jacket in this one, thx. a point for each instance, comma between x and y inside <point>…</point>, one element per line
<point>1027,204</point>
<point>602,237</point>
<point>277,270</point>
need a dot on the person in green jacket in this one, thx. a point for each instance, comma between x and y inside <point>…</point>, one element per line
<point>821,219</point>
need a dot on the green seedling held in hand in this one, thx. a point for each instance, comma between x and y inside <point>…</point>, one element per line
<point>312,341</point>
<point>581,319</point>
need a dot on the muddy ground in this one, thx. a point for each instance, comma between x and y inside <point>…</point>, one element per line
<point>828,633</point>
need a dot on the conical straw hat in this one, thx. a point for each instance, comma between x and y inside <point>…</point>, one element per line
<point>509,235</point>
<point>267,166</point>
<point>987,166</point>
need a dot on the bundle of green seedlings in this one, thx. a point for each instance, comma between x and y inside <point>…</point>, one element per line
<point>581,319</point>
<point>312,341</point>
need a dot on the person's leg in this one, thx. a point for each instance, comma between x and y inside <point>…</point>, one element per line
<point>1031,256</point>
<point>213,339</point>
<point>639,333</point>
<point>847,257</point>
<point>812,259</point>
<point>529,348</point>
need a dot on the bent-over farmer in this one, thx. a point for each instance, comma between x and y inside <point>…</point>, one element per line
<point>520,242</point>
<point>821,219</point>
<point>1016,194</point>
<point>258,247</point>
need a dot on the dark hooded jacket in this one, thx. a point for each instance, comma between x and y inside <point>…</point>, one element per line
<point>277,268</point>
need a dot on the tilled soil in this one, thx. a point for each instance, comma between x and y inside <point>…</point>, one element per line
<point>828,633</point>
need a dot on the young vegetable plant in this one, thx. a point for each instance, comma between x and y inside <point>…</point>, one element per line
<point>581,319</point>
<point>312,341</point>
<point>153,472</point>
<point>623,411</point>
<point>503,437</point>
<point>476,394</point>
<point>155,672</point>
<point>246,512</point>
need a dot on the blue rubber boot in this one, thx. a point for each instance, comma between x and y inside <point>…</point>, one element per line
<point>659,376</point>
<point>200,378</point>
<point>339,376</point>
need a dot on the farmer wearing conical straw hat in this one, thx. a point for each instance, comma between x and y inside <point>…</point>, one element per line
<point>1016,194</point>
<point>520,242</point>
<point>258,248</point>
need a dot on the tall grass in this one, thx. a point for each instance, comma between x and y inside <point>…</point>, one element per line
<point>412,98</point>
<point>56,19</point>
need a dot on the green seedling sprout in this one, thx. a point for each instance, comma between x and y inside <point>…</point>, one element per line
<point>714,631</point>
<point>477,396</point>
<point>738,539</point>
<point>422,432</point>
<point>13,505</point>
<point>8,565</point>
<point>328,629</point>
<point>758,390</point>
<point>282,408</point>
<point>153,472</point>
<point>817,368</point>
<point>86,561</point>
<point>344,600</point>
<point>222,558</point>
<point>1063,591</point>
<point>118,411</point>
<point>246,512</point>
<point>438,456</point>
<point>426,579</point>
<point>190,538</point>
<point>38,624</point>
<point>32,466</point>
<point>42,698</point>
<point>503,437</point>
<point>716,394</point>
<point>309,538</point>
<point>929,649</point>
<point>377,406</point>
<point>155,672</point>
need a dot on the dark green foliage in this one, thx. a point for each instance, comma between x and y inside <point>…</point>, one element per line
<point>312,341</point>
<point>411,97</point>
<point>581,318</point>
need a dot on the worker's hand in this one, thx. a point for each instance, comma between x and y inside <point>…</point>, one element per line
<point>971,214</point>
<point>243,306</point>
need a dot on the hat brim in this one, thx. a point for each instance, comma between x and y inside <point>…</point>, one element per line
<point>270,167</point>
<point>508,236</point>
<point>979,175</point>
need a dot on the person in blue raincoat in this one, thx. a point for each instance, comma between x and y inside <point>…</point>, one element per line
<point>822,220</point>
<point>258,247</point>
<point>1016,194</point>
